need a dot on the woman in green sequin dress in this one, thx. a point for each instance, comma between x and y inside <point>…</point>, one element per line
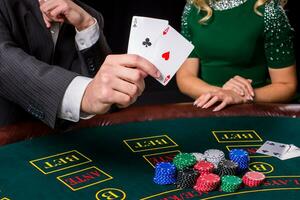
<point>243,53</point>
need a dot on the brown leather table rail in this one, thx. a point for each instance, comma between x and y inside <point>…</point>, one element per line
<point>22,131</point>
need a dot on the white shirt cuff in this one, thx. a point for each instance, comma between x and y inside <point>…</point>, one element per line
<point>71,103</point>
<point>87,37</point>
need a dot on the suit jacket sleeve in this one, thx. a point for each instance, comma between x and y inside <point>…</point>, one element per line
<point>96,54</point>
<point>34,85</point>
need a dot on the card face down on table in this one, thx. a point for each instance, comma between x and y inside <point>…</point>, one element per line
<point>158,42</point>
<point>279,150</point>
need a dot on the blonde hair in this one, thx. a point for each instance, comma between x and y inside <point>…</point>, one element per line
<point>203,5</point>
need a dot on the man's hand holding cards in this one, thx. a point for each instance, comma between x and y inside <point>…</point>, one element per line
<point>158,42</point>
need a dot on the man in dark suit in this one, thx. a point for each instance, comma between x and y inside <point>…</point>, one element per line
<point>48,51</point>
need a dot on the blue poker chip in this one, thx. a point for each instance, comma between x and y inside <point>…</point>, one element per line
<point>239,154</point>
<point>165,167</point>
<point>165,173</point>
<point>164,181</point>
<point>241,157</point>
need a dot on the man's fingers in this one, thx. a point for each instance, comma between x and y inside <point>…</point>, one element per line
<point>134,76</point>
<point>120,98</point>
<point>47,21</point>
<point>48,6</point>
<point>144,74</point>
<point>41,2</point>
<point>125,87</point>
<point>130,74</point>
<point>56,13</point>
<point>135,61</point>
<point>141,85</point>
<point>126,105</point>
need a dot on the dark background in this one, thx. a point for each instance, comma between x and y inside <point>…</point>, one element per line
<point>118,14</point>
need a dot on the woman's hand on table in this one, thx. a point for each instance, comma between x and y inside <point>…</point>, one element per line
<point>241,86</point>
<point>220,99</point>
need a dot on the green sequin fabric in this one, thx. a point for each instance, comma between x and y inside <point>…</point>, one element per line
<point>278,34</point>
<point>238,41</point>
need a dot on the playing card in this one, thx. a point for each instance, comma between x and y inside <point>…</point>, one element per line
<point>169,53</point>
<point>144,33</point>
<point>274,149</point>
<point>291,153</point>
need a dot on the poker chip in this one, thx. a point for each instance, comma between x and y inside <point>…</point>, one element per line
<point>206,172</point>
<point>214,156</point>
<point>165,173</point>
<point>253,178</point>
<point>186,178</point>
<point>204,167</point>
<point>207,182</point>
<point>230,183</point>
<point>227,167</point>
<point>241,157</point>
<point>184,160</point>
<point>199,156</point>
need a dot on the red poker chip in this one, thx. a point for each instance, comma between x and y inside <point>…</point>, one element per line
<point>249,183</point>
<point>204,167</point>
<point>205,188</point>
<point>253,179</point>
<point>212,178</point>
<point>207,182</point>
<point>253,175</point>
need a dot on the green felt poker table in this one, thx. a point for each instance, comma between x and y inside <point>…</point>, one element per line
<point>113,156</point>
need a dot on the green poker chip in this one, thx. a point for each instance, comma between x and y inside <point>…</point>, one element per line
<point>184,160</point>
<point>232,180</point>
<point>230,183</point>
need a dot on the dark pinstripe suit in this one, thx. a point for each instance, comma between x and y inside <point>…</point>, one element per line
<point>34,75</point>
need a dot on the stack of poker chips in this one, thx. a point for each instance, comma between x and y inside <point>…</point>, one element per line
<point>199,171</point>
<point>230,183</point>
<point>165,173</point>
<point>204,167</point>
<point>227,167</point>
<point>199,156</point>
<point>186,178</point>
<point>214,156</point>
<point>241,157</point>
<point>253,179</point>
<point>184,160</point>
<point>207,183</point>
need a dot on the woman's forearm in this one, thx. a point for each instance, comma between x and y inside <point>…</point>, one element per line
<point>194,87</point>
<point>275,93</point>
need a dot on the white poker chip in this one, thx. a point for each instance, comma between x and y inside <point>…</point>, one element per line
<point>214,156</point>
<point>199,156</point>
